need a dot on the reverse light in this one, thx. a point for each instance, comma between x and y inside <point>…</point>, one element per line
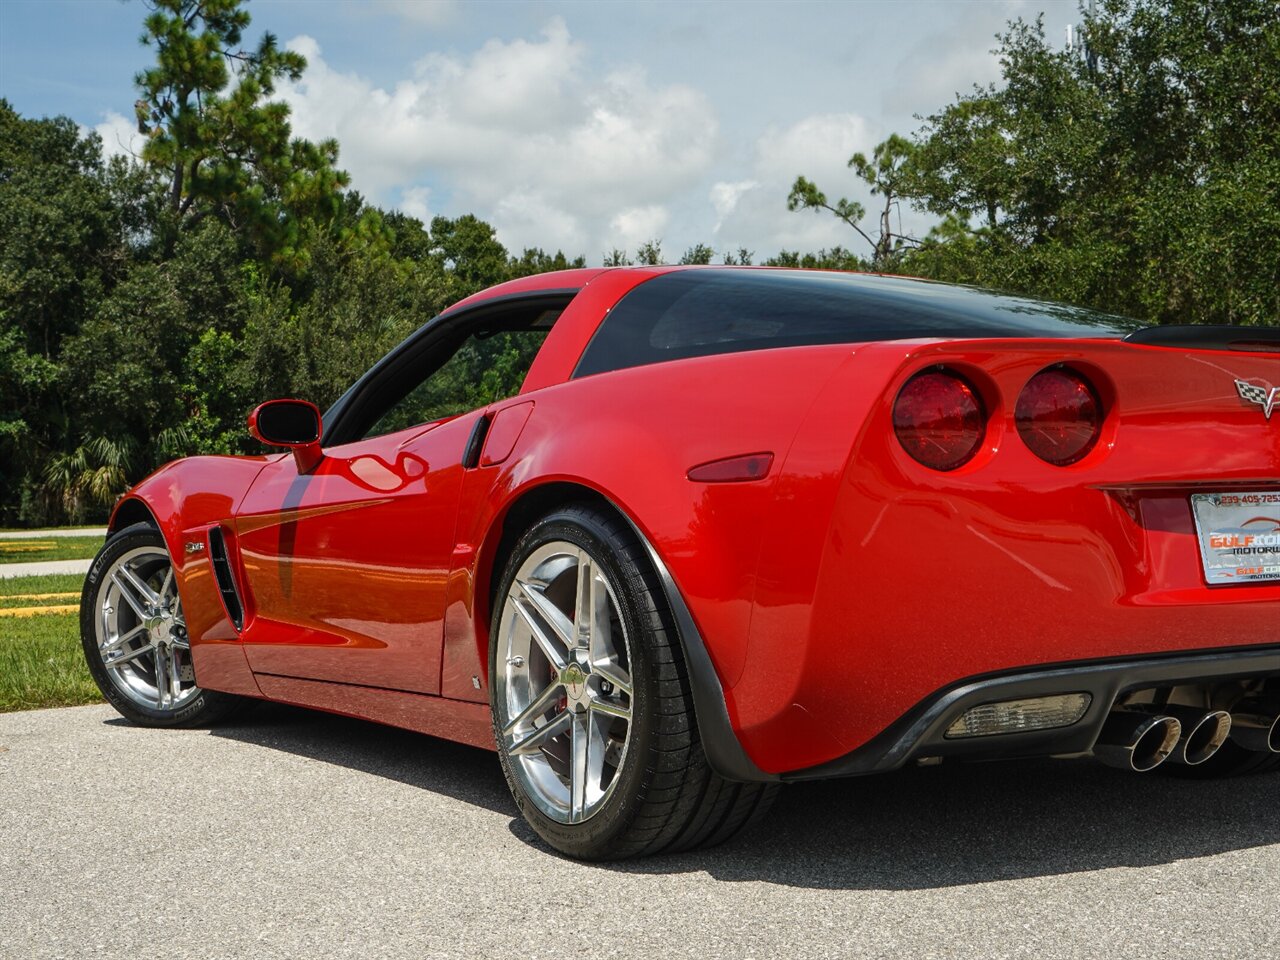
<point>1014,716</point>
<point>939,419</point>
<point>1059,416</point>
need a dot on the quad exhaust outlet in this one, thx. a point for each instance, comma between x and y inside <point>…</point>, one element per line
<point>1255,725</point>
<point>1203,733</point>
<point>1141,738</point>
<point>1137,741</point>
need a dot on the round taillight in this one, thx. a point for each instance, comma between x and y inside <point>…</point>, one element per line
<point>1059,416</point>
<point>939,419</point>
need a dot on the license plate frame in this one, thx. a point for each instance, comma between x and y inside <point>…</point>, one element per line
<point>1238,534</point>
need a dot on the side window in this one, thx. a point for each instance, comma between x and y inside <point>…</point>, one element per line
<point>488,366</point>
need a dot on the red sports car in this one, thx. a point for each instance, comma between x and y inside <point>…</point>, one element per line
<point>734,527</point>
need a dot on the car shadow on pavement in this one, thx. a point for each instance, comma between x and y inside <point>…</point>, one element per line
<point>951,826</point>
<point>452,769</point>
<point>917,829</point>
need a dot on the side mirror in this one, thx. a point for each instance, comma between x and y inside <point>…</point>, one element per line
<point>289,423</point>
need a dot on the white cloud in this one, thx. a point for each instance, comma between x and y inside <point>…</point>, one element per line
<point>119,135</point>
<point>950,58</point>
<point>414,202</point>
<point>636,225</point>
<point>533,216</point>
<point>520,133</point>
<point>725,196</point>
<point>753,213</point>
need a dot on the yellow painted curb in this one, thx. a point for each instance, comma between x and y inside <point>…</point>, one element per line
<point>34,611</point>
<point>38,596</point>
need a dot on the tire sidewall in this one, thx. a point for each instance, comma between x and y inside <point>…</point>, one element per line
<point>592,838</point>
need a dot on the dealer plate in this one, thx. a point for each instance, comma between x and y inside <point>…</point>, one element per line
<point>1239,536</point>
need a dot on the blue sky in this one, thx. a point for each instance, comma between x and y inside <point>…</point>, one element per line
<point>581,126</point>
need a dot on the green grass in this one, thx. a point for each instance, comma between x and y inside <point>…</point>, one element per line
<point>30,550</point>
<point>44,584</point>
<point>41,661</point>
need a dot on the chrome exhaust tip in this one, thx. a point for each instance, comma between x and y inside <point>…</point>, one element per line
<point>1136,741</point>
<point>1203,733</point>
<point>1255,725</point>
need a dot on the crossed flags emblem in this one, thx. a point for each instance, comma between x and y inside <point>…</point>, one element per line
<point>1267,397</point>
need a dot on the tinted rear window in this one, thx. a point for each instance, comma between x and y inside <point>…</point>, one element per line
<point>694,313</point>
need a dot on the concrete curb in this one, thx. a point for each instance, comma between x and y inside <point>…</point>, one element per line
<point>42,567</point>
<point>60,532</point>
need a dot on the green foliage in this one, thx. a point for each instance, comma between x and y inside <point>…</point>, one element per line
<point>468,252</point>
<point>145,309</point>
<point>483,371</point>
<point>805,195</point>
<point>537,260</point>
<point>89,476</point>
<point>889,172</point>
<point>699,254</point>
<point>223,146</point>
<point>64,219</point>
<point>650,254</point>
<point>1142,179</point>
<point>837,258</point>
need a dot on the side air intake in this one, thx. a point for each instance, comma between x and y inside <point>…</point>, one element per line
<point>226,580</point>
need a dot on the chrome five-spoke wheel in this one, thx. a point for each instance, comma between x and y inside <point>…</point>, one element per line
<point>141,635</point>
<point>563,687</point>
<point>135,636</point>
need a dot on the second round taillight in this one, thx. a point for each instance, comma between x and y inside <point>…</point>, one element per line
<point>939,419</point>
<point>1059,416</point>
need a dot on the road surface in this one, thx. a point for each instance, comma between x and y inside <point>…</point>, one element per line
<point>292,834</point>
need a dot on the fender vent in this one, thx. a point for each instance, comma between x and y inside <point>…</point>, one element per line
<point>226,580</point>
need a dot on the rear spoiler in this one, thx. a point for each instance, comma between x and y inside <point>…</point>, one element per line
<point>1198,337</point>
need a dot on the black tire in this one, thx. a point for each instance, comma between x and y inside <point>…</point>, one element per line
<point>192,708</point>
<point>666,798</point>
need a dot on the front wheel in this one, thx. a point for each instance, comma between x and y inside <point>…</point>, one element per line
<point>590,697</point>
<point>135,637</point>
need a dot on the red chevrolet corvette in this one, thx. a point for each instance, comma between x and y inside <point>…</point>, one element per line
<point>734,527</point>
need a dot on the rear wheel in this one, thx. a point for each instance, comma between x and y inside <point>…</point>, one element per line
<point>591,706</point>
<point>135,637</point>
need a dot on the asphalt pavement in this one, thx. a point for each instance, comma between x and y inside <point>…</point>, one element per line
<point>294,834</point>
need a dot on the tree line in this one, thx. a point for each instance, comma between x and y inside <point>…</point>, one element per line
<point>145,307</point>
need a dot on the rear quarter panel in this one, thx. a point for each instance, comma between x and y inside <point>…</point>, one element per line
<point>632,436</point>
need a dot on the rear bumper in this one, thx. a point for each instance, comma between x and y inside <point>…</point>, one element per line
<point>920,733</point>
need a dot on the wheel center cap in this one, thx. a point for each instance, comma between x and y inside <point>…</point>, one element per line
<point>158,626</point>
<point>575,683</point>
